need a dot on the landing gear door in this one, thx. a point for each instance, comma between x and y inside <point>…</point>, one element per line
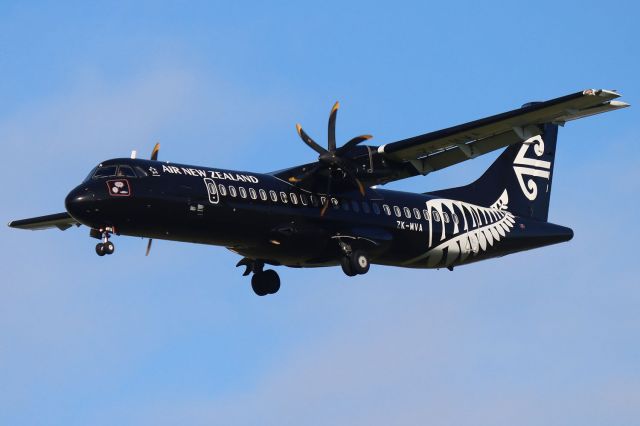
<point>212,190</point>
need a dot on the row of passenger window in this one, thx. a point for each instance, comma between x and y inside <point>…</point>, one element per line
<point>346,205</point>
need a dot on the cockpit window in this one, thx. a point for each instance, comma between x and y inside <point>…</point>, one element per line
<point>90,175</point>
<point>105,171</point>
<point>125,171</point>
<point>141,172</point>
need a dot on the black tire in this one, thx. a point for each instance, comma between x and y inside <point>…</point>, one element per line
<point>259,284</point>
<point>347,267</point>
<point>109,248</point>
<point>359,262</point>
<point>100,251</point>
<point>272,281</point>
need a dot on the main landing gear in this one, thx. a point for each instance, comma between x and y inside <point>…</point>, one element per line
<point>106,246</point>
<point>353,262</point>
<point>262,282</point>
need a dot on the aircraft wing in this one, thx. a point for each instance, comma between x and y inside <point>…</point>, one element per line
<point>443,148</point>
<point>62,221</point>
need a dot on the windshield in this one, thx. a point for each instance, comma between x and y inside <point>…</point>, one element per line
<point>105,171</point>
<point>115,170</point>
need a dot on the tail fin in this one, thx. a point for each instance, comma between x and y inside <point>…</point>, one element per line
<point>520,177</point>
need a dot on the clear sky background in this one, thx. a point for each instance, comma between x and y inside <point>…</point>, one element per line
<point>545,337</point>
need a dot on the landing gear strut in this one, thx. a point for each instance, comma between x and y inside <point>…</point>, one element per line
<point>262,282</point>
<point>353,262</point>
<point>106,246</point>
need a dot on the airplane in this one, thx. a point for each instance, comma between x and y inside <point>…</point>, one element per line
<point>332,211</point>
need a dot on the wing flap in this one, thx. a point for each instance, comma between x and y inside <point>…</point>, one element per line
<point>62,221</point>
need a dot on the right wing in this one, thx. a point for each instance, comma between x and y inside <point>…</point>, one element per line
<point>443,148</point>
<point>62,221</point>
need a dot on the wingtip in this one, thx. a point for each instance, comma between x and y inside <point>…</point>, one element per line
<point>335,107</point>
<point>298,128</point>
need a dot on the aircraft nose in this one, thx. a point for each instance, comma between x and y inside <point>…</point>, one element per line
<point>78,201</point>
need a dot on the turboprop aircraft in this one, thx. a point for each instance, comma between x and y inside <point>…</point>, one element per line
<point>332,211</point>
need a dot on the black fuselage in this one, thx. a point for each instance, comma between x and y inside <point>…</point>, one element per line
<point>262,217</point>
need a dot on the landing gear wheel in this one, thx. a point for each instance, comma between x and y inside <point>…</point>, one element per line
<point>347,266</point>
<point>273,280</point>
<point>257,284</point>
<point>359,262</point>
<point>109,248</point>
<point>265,282</point>
<point>100,251</point>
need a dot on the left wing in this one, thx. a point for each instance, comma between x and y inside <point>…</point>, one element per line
<point>443,148</point>
<point>62,221</point>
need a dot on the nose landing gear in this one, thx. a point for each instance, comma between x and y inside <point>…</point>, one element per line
<point>262,282</point>
<point>106,246</point>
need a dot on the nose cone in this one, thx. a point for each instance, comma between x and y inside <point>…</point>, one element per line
<point>79,202</point>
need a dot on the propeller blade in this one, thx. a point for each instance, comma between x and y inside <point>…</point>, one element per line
<point>327,201</point>
<point>356,180</point>
<point>149,246</point>
<point>154,153</point>
<point>305,175</point>
<point>352,143</point>
<point>332,127</point>
<point>310,142</point>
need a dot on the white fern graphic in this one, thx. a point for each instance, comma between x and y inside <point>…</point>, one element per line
<point>476,229</point>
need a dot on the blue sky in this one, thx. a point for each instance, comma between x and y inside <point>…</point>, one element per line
<point>545,337</point>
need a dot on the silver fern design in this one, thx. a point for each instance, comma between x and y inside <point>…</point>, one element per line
<point>467,229</point>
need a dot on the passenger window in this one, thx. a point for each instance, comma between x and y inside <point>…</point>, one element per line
<point>263,194</point>
<point>314,200</point>
<point>455,218</point>
<point>397,211</point>
<point>407,212</point>
<point>222,190</point>
<point>323,200</point>
<point>252,193</point>
<point>232,191</point>
<point>243,192</point>
<point>425,212</point>
<point>125,171</point>
<point>365,207</point>
<point>106,171</point>
<point>355,206</point>
<point>283,197</point>
<point>294,198</point>
<point>334,203</point>
<point>436,216</point>
<point>445,215</point>
<point>303,199</point>
<point>376,208</point>
<point>273,195</point>
<point>386,209</point>
<point>416,213</point>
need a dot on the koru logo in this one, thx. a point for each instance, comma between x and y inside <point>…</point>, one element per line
<point>524,166</point>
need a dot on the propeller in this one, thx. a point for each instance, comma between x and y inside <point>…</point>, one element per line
<point>154,157</point>
<point>331,159</point>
